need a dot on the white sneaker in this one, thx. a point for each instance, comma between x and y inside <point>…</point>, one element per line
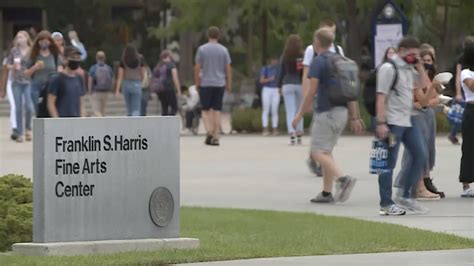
<point>411,206</point>
<point>467,193</point>
<point>392,210</point>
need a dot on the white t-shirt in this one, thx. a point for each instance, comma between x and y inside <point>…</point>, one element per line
<point>468,93</point>
<point>309,53</point>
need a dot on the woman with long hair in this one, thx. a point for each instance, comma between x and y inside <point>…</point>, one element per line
<point>165,83</point>
<point>425,119</point>
<point>44,60</point>
<point>17,61</point>
<point>466,175</point>
<point>389,53</point>
<point>130,76</point>
<point>289,82</point>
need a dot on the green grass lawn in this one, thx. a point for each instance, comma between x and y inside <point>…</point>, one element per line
<point>235,234</point>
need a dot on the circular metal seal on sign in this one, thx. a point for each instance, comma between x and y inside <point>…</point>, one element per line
<point>161,206</point>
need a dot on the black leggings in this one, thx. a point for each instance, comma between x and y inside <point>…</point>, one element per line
<point>169,103</point>
<point>467,159</point>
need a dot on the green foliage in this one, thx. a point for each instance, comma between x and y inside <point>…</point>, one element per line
<point>249,120</point>
<point>16,197</point>
<point>442,123</point>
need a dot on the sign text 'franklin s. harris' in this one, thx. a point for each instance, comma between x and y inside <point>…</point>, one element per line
<point>108,143</point>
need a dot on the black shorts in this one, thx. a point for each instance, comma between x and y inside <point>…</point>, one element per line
<point>211,98</point>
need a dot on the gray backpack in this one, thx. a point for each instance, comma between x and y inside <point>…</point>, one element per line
<point>103,78</point>
<point>344,84</point>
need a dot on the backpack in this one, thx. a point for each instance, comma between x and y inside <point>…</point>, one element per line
<point>158,81</point>
<point>370,91</point>
<point>103,79</point>
<point>43,111</point>
<point>344,84</point>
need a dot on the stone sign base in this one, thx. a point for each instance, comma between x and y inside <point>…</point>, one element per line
<point>103,246</point>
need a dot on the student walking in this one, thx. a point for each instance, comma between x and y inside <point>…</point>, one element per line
<point>100,82</point>
<point>165,83</point>
<point>212,74</point>
<point>6,90</point>
<point>291,70</point>
<point>17,61</point>
<point>394,124</point>
<point>130,76</point>
<point>44,60</point>
<point>270,96</point>
<point>66,90</point>
<point>425,120</point>
<point>309,55</point>
<point>466,175</point>
<point>329,121</point>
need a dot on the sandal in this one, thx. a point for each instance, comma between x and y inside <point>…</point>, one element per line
<point>214,142</point>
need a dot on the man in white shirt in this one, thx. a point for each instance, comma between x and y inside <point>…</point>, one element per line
<point>309,54</point>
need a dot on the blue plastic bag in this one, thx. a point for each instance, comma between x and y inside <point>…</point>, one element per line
<point>455,113</point>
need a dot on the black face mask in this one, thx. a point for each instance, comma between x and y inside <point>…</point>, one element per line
<point>428,66</point>
<point>73,65</point>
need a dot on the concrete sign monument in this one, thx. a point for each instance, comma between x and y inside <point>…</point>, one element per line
<point>105,181</point>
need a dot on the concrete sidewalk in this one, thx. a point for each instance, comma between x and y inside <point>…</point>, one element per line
<point>443,257</point>
<point>254,172</point>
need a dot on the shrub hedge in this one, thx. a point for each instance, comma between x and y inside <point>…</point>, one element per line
<point>16,210</point>
<point>250,120</point>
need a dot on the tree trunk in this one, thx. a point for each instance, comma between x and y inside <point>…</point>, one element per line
<point>355,45</point>
<point>250,48</point>
<point>264,38</point>
<point>186,66</point>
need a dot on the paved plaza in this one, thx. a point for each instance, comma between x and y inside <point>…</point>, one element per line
<point>254,172</point>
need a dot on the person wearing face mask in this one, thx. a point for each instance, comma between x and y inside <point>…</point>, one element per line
<point>101,78</point>
<point>17,61</point>
<point>395,124</point>
<point>424,118</point>
<point>66,90</point>
<point>44,60</point>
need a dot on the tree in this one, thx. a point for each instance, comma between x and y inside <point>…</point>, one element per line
<point>445,23</point>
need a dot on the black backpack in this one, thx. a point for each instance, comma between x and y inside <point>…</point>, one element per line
<point>43,111</point>
<point>370,91</point>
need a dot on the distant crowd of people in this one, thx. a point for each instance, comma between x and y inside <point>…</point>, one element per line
<point>42,76</point>
<point>402,95</point>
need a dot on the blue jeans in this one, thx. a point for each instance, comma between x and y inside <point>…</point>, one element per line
<point>454,129</point>
<point>413,142</point>
<point>22,92</point>
<point>35,93</point>
<point>293,96</point>
<point>132,92</point>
